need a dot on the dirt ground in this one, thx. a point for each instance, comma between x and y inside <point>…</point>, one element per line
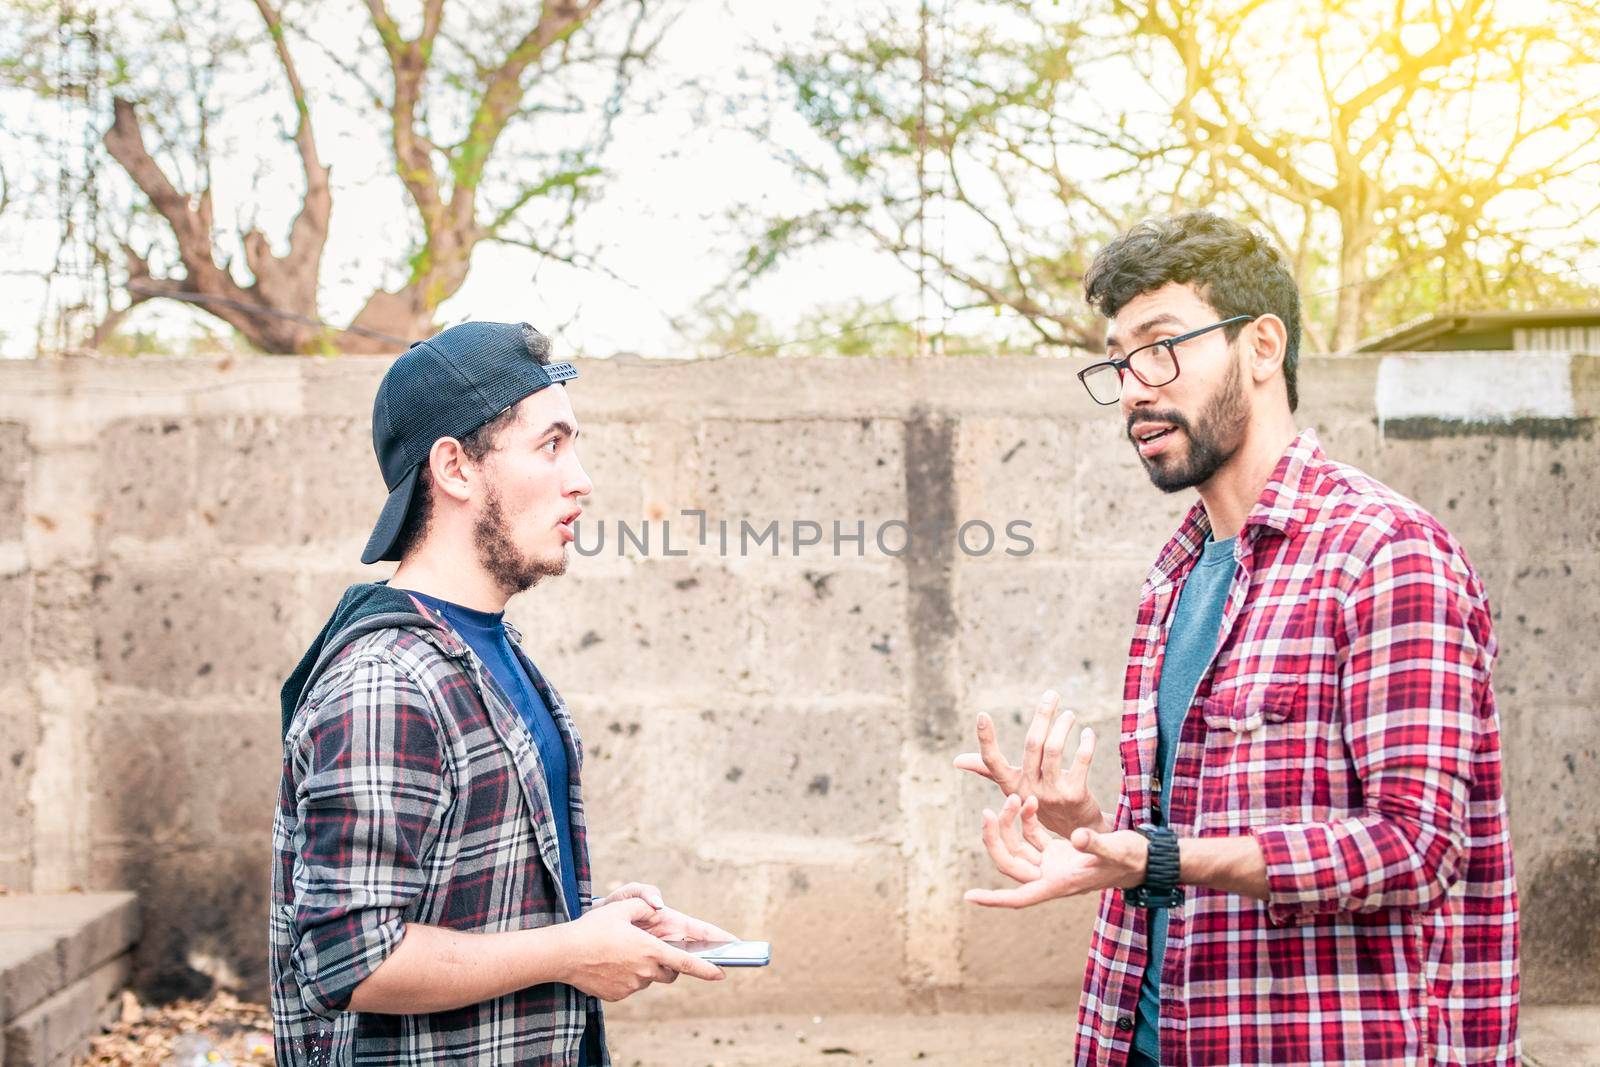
<point>223,1031</point>
<point>1011,1040</point>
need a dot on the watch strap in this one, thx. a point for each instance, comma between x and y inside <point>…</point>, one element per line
<point>1160,887</point>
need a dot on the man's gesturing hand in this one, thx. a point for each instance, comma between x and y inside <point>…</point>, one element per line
<point>612,958</point>
<point>1050,867</point>
<point>1063,795</point>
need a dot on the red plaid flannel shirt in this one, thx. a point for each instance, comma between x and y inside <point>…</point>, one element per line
<point>1348,723</point>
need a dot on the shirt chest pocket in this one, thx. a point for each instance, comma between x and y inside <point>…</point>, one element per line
<point>1255,764</point>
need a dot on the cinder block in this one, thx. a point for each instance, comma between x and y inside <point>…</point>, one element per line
<point>1550,754</point>
<point>1457,479</point>
<point>145,778</point>
<point>671,627</point>
<point>246,474</point>
<point>839,933</point>
<point>641,471</point>
<point>819,470</point>
<point>837,945</point>
<point>1536,607</point>
<point>340,487</point>
<point>342,386</point>
<point>1334,386</point>
<point>204,911</point>
<point>1117,511</point>
<point>792,769</point>
<point>16,606</point>
<point>1550,503</point>
<point>16,872</point>
<point>191,630</point>
<point>1013,469</point>
<point>1560,943</point>
<point>14,464</point>
<point>145,479</point>
<point>860,606</point>
<point>644,778</point>
<point>727,894</point>
<point>1351,440</point>
<point>59,1030</point>
<point>238,764</point>
<point>319,586</point>
<point>1043,625</point>
<point>1034,956</point>
<point>62,616</point>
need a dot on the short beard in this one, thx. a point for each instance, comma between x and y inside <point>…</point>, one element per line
<point>1212,442</point>
<point>497,551</point>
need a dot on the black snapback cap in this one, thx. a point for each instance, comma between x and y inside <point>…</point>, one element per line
<point>447,386</point>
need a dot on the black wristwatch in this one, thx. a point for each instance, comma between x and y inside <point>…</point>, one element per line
<point>1160,887</point>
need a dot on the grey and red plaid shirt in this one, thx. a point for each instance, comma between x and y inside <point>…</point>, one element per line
<point>411,792</point>
<point>1348,723</point>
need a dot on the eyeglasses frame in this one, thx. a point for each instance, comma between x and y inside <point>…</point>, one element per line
<point>1126,362</point>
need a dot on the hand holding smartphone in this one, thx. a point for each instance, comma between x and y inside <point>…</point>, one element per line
<point>728,953</point>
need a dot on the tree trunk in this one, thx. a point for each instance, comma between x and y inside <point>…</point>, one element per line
<point>1355,241</point>
<point>407,314</point>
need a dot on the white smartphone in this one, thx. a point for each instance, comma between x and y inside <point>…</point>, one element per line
<point>728,953</point>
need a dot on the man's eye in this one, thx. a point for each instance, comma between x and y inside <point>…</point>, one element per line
<point>550,445</point>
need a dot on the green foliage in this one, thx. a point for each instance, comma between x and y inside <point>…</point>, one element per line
<point>1380,144</point>
<point>962,152</point>
<point>854,328</point>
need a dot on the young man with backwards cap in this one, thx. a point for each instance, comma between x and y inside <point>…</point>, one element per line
<point>431,875</point>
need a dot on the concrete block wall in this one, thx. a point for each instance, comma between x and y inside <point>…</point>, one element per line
<point>769,735</point>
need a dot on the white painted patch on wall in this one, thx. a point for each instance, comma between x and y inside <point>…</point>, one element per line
<point>1475,386</point>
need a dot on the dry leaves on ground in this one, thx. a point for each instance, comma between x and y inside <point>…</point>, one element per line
<point>220,1030</point>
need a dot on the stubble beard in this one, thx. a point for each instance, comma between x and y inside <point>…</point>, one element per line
<point>511,568</point>
<point>1213,438</point>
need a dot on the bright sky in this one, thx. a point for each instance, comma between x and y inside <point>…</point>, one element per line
<point>689,184</point>
<point>661,227</point>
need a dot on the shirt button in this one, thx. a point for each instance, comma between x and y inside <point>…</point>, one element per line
<point>1125,1023</point>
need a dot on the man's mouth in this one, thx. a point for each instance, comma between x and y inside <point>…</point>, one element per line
<point>565,525</point>
<point>1151,438</point>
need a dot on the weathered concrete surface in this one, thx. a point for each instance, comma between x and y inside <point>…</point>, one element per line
<point>770,729</point>
<point>1558,1036</point>
<point>63,959</point>
<point>1561,1036</point>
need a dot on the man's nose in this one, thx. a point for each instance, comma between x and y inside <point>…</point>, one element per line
<point>578,483</point>
<point>1135,394</point>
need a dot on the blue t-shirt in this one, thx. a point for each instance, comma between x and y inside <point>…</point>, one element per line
<point>486,633</point>
<point>1191,642</point>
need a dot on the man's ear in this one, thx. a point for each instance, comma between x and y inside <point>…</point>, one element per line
<point>448,465</point>
<point>1266,347</point>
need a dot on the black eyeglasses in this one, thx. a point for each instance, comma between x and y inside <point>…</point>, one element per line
<point>1154,364</point>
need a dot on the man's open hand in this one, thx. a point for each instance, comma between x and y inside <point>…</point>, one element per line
<point>1064,800</point>
<point>1048,867</point>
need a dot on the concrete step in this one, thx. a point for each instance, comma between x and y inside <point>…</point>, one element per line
<point>63,960</point>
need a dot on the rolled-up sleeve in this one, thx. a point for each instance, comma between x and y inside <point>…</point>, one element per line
<point>1414,661</point>
<point>372,791</point>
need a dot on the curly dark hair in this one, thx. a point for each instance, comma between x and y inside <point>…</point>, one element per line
<point>476,445</point>
<point>1234,269</point>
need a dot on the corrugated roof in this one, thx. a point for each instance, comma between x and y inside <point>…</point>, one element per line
<point>1429,327</point>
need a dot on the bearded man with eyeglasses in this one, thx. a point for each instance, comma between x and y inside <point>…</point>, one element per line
<point>1309,860</point>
